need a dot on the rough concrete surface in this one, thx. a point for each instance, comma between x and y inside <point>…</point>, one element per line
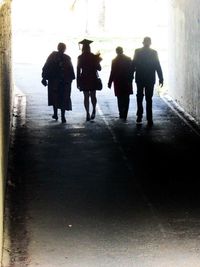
<point>5,99</point>
<point>102,193</point>
<point>184,55</point>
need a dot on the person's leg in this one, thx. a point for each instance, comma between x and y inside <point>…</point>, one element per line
<point>139,96</point>
<point>148,97</point>
<point>126,101</point>
<point>65,100</point>
<point>120,106</point>
<point>63,115</point>
<point>94,103</point>
<point>67,97</point>
<point>87,104</point>
<point>55,113</point>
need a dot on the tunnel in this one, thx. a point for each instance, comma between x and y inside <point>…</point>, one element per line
<point>102,193</point>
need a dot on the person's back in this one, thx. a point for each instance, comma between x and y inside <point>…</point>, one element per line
<point>58,66</point>
<point>146,64</point>
<point>121,75</point>
<point>88,80</point>
<point>122,68</point>
<point>59,73</point>
<point>88,64</point>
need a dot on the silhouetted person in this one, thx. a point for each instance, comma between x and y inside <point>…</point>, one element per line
<point>88,66</point>
<point>59,73</point>
<point>146,64</point>
<point>122,76</point>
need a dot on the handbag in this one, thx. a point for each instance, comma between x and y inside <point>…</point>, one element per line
<point>98,84</point>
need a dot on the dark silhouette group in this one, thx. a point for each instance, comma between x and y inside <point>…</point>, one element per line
<point>58,74</point>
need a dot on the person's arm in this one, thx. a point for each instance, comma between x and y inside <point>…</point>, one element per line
<point>131,71</point>
<point>111,76</point>
<point>159,71</point>
<point>134,61</point>
<point>71,68</point>
<point>78,74</point>
<point>44,74</point>
<point>47,69</point>
<point>98,59</point>
<point>99,67</point>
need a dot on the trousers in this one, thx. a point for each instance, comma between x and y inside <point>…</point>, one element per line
<point>123,105</point>
<point>147,90</point>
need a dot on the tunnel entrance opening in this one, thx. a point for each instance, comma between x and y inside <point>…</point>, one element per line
<point>39,25</point>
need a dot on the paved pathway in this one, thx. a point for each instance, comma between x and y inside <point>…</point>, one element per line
<point>101,194</point>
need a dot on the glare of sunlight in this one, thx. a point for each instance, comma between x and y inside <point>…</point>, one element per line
<point>38,25</point>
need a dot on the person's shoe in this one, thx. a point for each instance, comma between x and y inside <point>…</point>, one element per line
<point>139,120</point>
<point>63,120</point>
<point>120,116</point>
<point>55,117</point>
<point>88,117</point>
<point>150,123</point>
<point>93,115</point>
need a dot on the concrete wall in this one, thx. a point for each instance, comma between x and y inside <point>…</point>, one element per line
<point>185,55</point>
<point>5,98</point>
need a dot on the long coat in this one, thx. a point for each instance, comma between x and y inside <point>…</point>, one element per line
<point>59,72</point>
<point>121,75</point>
<point>88,66</point>
<point>146,64</point>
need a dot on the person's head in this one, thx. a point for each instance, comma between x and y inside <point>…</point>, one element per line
<point>86,48</point>
<point>119,50</point>
<point>61,47</point>
<point>147,42</point>
<point>85,45</point>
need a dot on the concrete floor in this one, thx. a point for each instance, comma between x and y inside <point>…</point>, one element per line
<point>101,194</point>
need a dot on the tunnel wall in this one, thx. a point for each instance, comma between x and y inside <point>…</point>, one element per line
<point>5,99</point>
<point>184,55</point>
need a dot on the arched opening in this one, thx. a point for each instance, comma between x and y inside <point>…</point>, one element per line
<point>107,23</point>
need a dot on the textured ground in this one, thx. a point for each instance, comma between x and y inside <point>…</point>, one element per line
<point>101,194</point>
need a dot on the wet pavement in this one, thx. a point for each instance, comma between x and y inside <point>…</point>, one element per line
<point>102,193</point>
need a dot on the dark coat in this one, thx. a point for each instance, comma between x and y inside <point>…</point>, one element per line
<point>122,75</point>
<point>146,64</point>
<point>87,71</point>
<point>59,72</point>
